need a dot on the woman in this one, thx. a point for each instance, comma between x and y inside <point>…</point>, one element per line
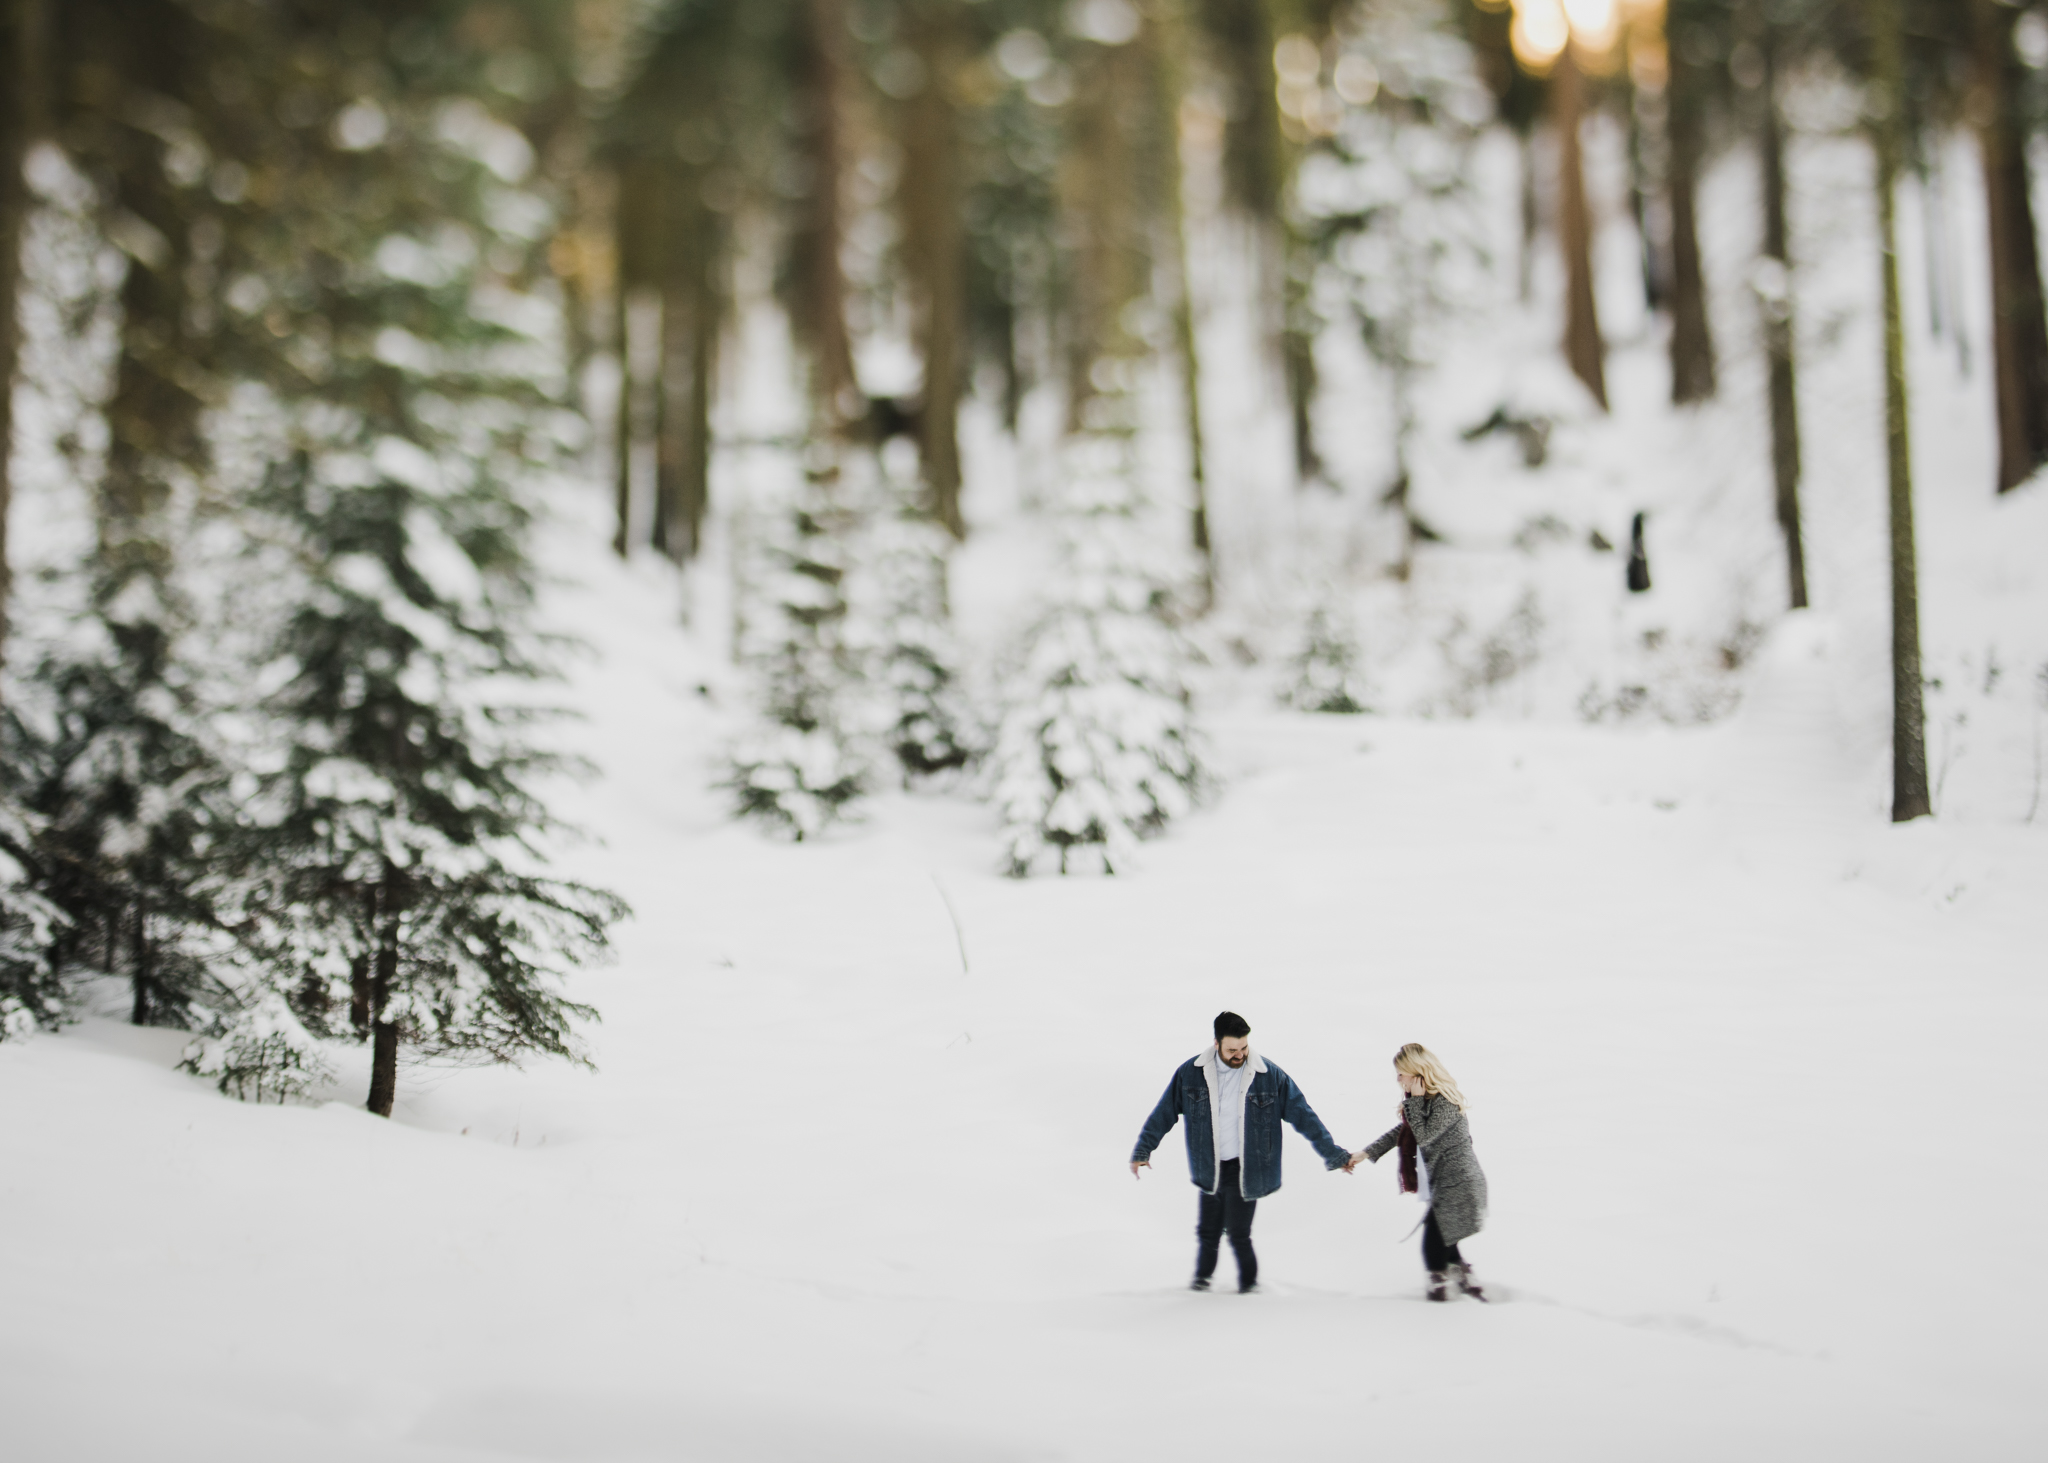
<point>1432,1113</point>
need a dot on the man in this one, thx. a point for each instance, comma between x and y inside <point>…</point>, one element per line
<point>1233,1100</point>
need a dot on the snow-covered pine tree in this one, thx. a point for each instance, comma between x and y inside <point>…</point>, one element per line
<point>803,762</point>
<point>32,992</point>
<point>403,395</point>
<point>899,596</point>
<point>1323,671</point>
<point>108,747</point>
<point>1388,203</point>
<point>129,800</point>
<point>1097,747</point>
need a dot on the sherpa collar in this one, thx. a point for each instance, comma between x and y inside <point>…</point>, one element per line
<point>1212,1064</point>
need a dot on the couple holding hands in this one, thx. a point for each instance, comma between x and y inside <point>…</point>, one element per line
<point>1233,1101</point>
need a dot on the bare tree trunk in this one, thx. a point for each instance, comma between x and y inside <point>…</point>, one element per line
<point>2019,329</point>
<point>1100,214</point>
<point>1692,340</point>
<point>1648,114</point>
<point>935,241</point>
<point>1779,349</point>
<point>140,985</point>
<point>705,322</point>
<point>1525,262</point>
<point>1909,738</point>
<point>1583,349</point>
<point>1298,354</point>
<point>383,1032</point>
<point>662,535</point>
<point>20,77</point>
<point>1174,51</point>
<point>821,287</point>
<point>682,406</point>
<point>622,466</point>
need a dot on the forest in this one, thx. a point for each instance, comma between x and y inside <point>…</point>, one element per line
<point>313,307</point>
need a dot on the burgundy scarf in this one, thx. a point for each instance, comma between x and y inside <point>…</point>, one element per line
<point>1411,1181</point>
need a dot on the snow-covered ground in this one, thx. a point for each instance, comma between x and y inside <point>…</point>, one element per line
<point>1756,1076</point>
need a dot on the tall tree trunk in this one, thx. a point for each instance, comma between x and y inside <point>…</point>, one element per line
<point>1643,188</point>
<point>1100,215</point>
<point>1174,51</point>
<point>935,244</point>
<point>821,283</point>
<point>663,534</point>
<point>1909,737</point>
<point>1583,349</point>
<point>20,79</point>
<point>1692,340</point>
<point>703,367</point>
<point>1525,259</point>
<point>2019,329</point>
<point>141,986</point>
<point>1298,352</point>
<point>622,464</point>
<point>384,1032</point>
<point>1778,326</point>
<point>19,75</point>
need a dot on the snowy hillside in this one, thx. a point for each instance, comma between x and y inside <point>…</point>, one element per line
<point>1753,1072</point>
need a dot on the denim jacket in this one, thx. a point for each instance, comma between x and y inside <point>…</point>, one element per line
<point>1270,1096</point>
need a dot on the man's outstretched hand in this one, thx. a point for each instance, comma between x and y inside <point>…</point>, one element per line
<point>1351,1163</point>
<point>1138,1163</point>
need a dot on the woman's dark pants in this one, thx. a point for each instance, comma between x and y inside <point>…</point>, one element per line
<point>1436,1255</point>
<point>1226,1211</point>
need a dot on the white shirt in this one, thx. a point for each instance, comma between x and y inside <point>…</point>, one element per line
<point>1230,1108</point>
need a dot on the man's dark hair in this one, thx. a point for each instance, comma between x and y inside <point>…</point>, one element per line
<point>1229,1023</point>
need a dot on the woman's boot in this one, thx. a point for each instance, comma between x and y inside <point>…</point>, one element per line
<point>1462,1273</point>
<point>1436,1285</point>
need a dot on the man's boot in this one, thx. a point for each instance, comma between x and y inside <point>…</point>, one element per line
<point>1436,1285</point>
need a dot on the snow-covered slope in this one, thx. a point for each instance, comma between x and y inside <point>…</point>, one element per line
<point>1755,1077</point>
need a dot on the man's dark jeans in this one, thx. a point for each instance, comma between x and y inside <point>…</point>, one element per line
<point>1227,1211</point>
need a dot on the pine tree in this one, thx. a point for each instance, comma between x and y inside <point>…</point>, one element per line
<point>401,396</point>
<point>1391,211</point>
<point>1323,672</point>
<point>1097,747</point>
<point>803,763</point>
<point>32,991</point>
<point>928,716</point>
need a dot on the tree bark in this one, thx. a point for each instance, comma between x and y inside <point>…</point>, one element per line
<point>140,984</point>
<point>1174,49</point>
<point>384,1033</point>
<point>1778,327</point>
<point>682,406</point>
<point>622,465</point>
<point>19,75</point>
<point>1525,259</point>
<point>1909,739</point>
<point>1692,340</point>
<point>2019,328</point>
<point>1583,349</point>
<point>1298,354</point>
<point>935,243</point>
<point>821,285</point>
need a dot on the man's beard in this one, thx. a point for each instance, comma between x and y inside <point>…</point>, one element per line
<point>1237,1061</point>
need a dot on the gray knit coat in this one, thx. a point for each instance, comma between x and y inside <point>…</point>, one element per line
<point>1457,1187</point>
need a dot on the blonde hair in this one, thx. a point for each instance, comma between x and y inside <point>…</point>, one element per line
<point>1416,1060</point>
